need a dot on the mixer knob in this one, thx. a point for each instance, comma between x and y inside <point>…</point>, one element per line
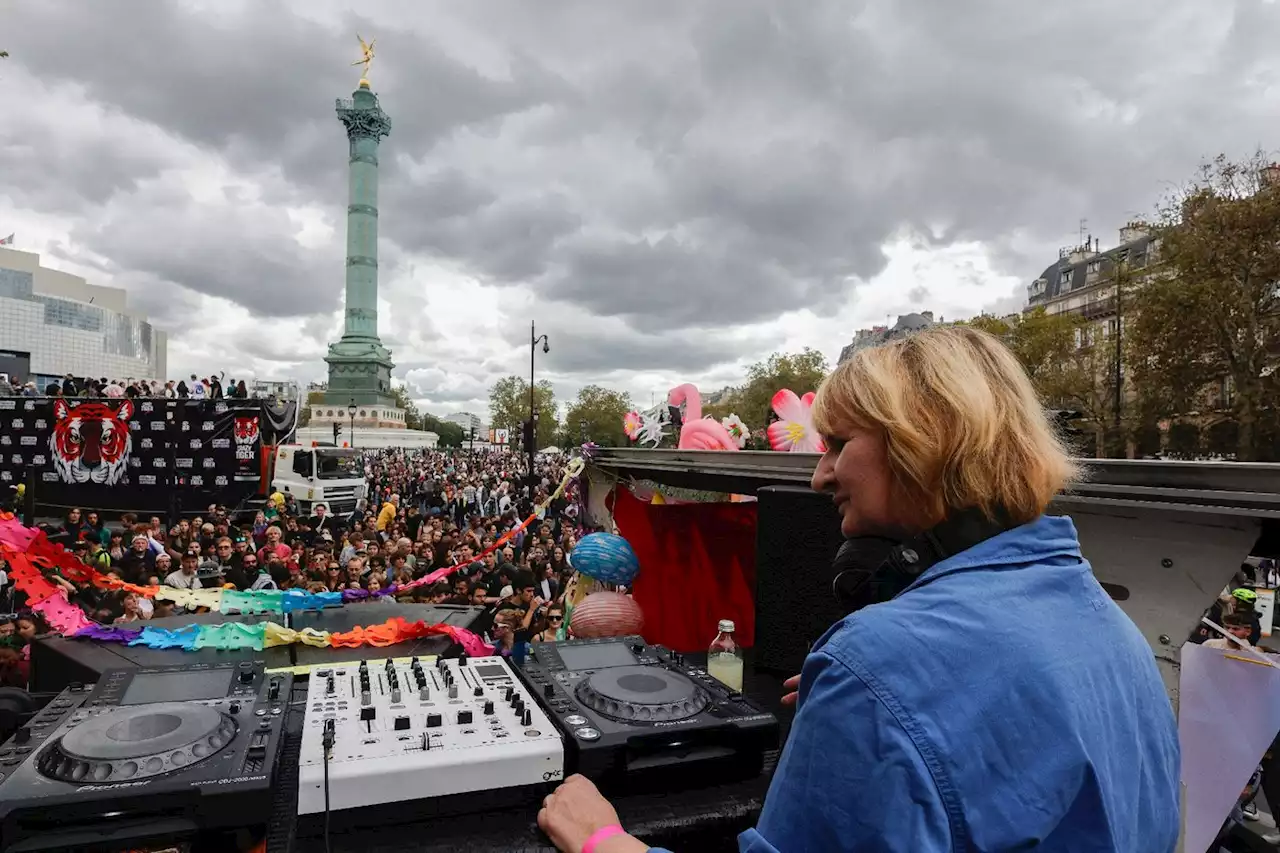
<point>453,691</point>
<point>328,687</point>
<point>234,709</point>
<point>479,691</point>
<point>526,719</point>
<point>246,677</point>
<point>462,659</point>
<point>424,694</point>
<point>638,648</point>
<point>434,721</point>
<point>510,692</point>
<point>464,717</point>
<point>395,696</point>
<point>488,707</point>
<point>548,690</point>
<point>414,662</point>
<point>365,697</point>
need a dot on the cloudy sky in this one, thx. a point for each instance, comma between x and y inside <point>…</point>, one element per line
<point>672,189</point>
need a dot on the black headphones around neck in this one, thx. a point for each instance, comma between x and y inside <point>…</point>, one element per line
<point>871,569</point>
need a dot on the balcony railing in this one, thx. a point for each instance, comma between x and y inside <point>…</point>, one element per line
<point>1098,308</point>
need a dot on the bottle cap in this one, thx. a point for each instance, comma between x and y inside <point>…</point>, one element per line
<point>726,625</point>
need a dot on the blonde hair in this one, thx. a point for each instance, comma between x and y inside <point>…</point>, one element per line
<point>963,425</point>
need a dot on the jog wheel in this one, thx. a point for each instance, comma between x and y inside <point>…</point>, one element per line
<point>137,743</point>
<point>642,694</point>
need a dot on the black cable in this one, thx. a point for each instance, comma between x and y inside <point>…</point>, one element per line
<point>327,742</point>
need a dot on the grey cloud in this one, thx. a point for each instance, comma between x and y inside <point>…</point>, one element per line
<point>258,81</point>
<point>594,349</point>
<point>246,256</point>
<point>505,239</point>
<point>675,167</point>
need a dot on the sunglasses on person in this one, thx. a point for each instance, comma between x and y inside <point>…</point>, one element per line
<point>556,617</point>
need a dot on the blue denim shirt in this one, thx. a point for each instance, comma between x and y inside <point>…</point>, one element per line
<point>1001,702</point>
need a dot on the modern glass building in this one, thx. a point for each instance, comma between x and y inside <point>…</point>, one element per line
<point>53,323</point>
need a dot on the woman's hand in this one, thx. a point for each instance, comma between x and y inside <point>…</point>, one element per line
<point>573,812</point>
<point>792,685</point>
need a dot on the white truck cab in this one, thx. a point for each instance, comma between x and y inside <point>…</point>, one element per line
<point>320,475</point>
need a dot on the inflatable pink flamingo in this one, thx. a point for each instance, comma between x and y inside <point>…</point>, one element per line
<point>696,432</point>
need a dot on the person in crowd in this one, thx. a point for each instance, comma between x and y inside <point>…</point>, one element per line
<point>388,512</point>
<point>186,575</point>
<point>933,720</point>
<point>132,611</point>
<point>554,622</point>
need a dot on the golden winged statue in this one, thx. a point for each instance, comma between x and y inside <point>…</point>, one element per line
<point>367,49</point>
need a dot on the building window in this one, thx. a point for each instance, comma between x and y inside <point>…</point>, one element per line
<point>15,284</point>
<point>1094,266</point>
<point>363,413</point>
<point>1065,280</point>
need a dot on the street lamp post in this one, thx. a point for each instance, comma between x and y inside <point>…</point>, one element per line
<point>472,448</point>
<point>534,339</point>
<point>351,410</point>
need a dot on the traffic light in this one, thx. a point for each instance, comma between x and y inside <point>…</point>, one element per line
<point>337,431</point>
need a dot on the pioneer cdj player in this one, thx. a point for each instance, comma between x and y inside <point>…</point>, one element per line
<point>146,755</point>
<point>633,713</point>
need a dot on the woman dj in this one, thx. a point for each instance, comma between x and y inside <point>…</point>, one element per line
<point>1000,700</point>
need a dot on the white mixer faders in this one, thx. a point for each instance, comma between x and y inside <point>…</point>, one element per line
<point>407,730</point>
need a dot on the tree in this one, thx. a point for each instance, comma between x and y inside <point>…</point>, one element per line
<point>412,417</point>
<point>752,402</point>
<point>314,398</point>
<point>1070,360</point>
<point>1215,312</point>
<point>602,410</point>
<point>509,408</point>
<point>451,434</point>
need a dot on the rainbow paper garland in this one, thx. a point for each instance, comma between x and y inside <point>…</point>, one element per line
<point>30,555</point>
<point>28,551</point>
<point>265,635</point>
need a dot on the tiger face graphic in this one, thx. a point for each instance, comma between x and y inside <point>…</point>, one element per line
<point>246,430</point>
<point>90,441</point>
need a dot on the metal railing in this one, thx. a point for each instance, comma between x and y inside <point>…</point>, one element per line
<point>1251,488</point>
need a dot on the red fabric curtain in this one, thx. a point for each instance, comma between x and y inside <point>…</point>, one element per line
<point>697,566</point>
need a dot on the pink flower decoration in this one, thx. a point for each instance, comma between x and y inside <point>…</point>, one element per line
<point>794,431</point>
<point>632,424</point>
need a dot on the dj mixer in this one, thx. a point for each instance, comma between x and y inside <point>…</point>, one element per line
<point>387,731</point>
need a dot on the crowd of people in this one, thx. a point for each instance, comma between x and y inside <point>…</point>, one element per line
<point>427,510</point>
<point>212,387</point>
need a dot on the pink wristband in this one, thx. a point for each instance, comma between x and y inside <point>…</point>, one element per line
<point>589,846</point>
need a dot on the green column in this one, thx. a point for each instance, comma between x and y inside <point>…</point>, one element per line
<point>359,365</point>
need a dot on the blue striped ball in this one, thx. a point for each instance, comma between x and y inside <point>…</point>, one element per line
<point>606,557</point>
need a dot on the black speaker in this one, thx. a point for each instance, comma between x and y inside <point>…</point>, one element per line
<point>797,536</point>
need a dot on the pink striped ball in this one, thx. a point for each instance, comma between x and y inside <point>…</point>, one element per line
<point>606,614</point>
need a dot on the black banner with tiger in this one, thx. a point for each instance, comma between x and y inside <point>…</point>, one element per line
<point>121,454</point>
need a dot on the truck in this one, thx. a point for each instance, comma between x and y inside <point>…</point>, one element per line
<point>319,475</point>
